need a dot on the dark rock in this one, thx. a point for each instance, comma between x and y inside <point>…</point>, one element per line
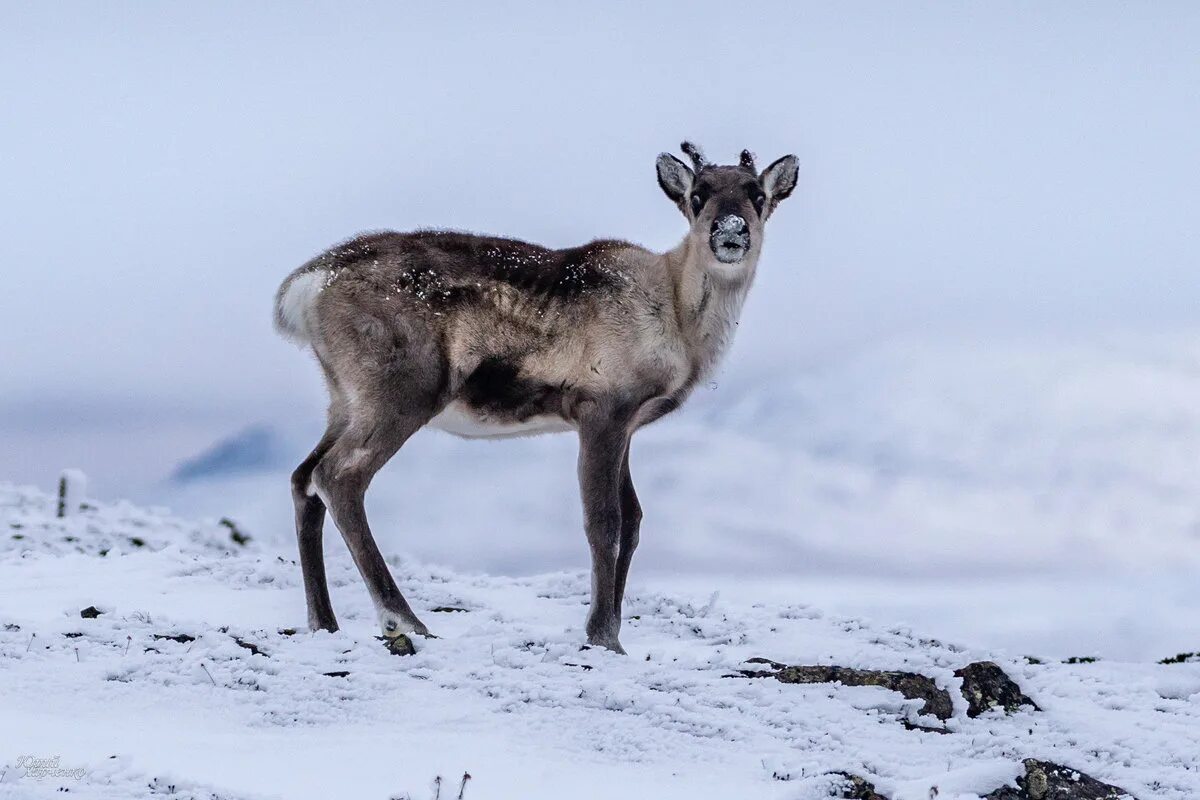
<point>986,687</point>
<point>253,648</point>
<point>449,610</point>
<point>340,673</point>
<point>91,612</point>
<point>1044,780</point>
<point>910,684</point>
<point>398,645</point>
<point>1181,658</point>
<point>857,788</point>
<point>182,638</point>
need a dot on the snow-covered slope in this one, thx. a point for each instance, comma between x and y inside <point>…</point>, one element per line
<point>190,682</point>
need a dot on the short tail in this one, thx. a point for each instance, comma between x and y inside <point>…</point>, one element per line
<point>295,304</point>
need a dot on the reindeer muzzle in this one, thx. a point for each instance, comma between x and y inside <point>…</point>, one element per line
<point>729,238</point>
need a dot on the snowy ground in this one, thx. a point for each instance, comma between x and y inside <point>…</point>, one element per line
<point>506,694</point>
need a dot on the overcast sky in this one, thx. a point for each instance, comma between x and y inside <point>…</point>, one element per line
<point>979,165</point>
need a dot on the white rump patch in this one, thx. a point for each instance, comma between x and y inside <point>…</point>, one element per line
<point>294,308</point>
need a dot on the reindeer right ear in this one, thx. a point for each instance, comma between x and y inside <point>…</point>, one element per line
<point>675,178</point>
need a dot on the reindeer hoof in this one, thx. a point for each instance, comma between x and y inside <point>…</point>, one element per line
<point>608,644</point>
<point>394,624</point>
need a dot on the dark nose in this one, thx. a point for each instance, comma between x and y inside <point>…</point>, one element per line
<point>730,238</point>
<point>730,226</point>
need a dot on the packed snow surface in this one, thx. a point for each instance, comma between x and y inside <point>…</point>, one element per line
<point>189,674</point>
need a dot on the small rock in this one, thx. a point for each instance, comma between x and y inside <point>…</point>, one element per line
<point>398,645</point>
<point>910,684</point>
<point>857,788</point>
<point>182,638</point>
<point>91,612</point>
<point>1181,658</point>
<point>339,673</point>
<point>253,648</point>
<point>1044,780</point>
<point>449,610</point>
<point>985,686</point>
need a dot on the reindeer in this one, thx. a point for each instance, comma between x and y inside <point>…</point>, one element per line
<point>485,337</point>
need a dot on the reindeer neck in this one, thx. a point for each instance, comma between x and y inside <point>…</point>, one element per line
<point>707,307</point>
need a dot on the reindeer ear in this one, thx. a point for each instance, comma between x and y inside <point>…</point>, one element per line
<point>780,178</point>
<point>674,177</point>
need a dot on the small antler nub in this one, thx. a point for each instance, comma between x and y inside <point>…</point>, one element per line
<point>747,161</point>
<point>694,153</point>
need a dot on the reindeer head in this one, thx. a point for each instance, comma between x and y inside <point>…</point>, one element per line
<point>726,205</point>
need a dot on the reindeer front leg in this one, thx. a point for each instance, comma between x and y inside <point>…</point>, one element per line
<point>603,441</point>
<point>631,523</point>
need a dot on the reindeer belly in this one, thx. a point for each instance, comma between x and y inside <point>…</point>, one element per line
<point>462,419</point>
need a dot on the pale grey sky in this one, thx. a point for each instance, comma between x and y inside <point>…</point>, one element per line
<point>1004,165</point>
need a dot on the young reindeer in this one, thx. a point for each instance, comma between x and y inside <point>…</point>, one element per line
<point>486,337</point>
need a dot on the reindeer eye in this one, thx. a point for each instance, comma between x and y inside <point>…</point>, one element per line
<point>759,199</point>
<point>697,204</point>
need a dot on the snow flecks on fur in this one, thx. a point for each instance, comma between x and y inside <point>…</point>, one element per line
<point>198,674</point>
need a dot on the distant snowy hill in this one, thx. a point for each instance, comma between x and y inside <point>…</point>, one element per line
<point>145,655</point>
<point>255,449</point>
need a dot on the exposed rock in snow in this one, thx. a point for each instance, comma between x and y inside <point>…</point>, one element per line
<point>1045,781</point>
<point>986,686</point>
<point>857,788</point>
<point>913,686</point>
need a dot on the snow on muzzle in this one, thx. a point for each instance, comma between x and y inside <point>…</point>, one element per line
<point>730,238</point>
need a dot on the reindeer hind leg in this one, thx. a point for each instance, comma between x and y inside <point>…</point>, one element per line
<point>310,523</point>
<point>341,478</point>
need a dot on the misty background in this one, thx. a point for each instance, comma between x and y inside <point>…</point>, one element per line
<point>975,334</point>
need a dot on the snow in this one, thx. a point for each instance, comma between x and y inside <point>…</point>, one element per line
<point>506,693</point>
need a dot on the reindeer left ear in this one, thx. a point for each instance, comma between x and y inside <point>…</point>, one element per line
<point>780,178</point>
<point>674,177</point>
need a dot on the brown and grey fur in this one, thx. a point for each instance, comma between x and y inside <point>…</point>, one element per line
<point>489,337</point>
